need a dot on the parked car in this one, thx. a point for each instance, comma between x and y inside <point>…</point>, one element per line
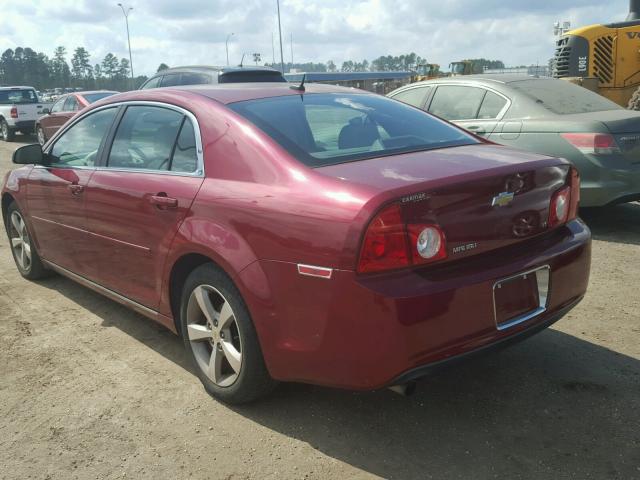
<point>202,75</point>
<point>319,234</point>
<point>63,109</point>
<point>547,116</point>
<point>19,109</point>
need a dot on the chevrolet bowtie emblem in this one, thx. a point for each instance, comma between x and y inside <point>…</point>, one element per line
<point>502,200</point>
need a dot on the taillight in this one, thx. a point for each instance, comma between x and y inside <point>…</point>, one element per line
<point>390,244</point>
<point>14,112</point>
<point>559,207</point>
<point>593,143</point>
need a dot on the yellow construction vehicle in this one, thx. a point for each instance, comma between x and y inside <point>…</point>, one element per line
<point>427,71</point>
<point>604,58</point>
<point>464,67</point>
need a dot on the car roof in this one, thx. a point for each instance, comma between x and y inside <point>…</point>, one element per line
<point>17,87</point>
<point>214,69</point>
<point>504,78</point>
<point>227,93</point>
<point>88,92</point>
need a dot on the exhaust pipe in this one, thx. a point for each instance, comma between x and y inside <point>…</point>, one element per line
<point>634,10</point>
<point>406,389</point>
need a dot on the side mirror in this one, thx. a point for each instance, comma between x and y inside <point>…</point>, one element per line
<point>46,111</point>
<point>29,154</point>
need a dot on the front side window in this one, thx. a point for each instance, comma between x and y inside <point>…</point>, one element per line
<point>145,138</point>
<point>194,79</point>
<point>325,129</point>
<point>153,83</point>
<point>171,80</point>
<point>453,102</point>
<point>57,107</point>
<point>79,145</point>
<point>71,104</point>
<point>413,96</point>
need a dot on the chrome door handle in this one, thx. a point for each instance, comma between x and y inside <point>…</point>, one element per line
<point>477,129</point>
<point>162,201</point>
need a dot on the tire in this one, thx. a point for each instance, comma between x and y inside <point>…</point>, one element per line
<point>42,139</point>
<point>7,134</point>
<point>634,103</point>
<point>24,253</point>
<point>222,345</point>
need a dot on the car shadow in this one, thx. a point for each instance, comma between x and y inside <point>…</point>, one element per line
<point>620,223</point>
<point>554,406</point>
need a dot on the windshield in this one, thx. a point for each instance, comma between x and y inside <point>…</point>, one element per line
<point>562,97</point>
<point>10,97</point>
<point>325,129</point>
<point>94,97</point>
<point>250,76</point>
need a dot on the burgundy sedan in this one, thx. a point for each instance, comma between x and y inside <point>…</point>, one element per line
<point>322,235</point>
<point>63,109</point>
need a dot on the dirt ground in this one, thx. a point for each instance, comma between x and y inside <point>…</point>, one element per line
<point>89,389</point>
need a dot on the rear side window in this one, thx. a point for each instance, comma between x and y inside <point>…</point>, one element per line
<point>492,105</point>
<point>185,156</point>
<point>79,145</point>
<point>94,97</point>
<point>453,102</point>
<point>57,107</point>
<point>325,129</point>
<point>153,83</point>
<point>413,96</point>
<point>194,79</point>
<point>145,138</point>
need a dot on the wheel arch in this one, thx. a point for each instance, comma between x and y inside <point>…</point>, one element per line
<point>7,198</point>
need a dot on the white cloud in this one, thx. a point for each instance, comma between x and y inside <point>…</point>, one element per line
<point>194,31</point>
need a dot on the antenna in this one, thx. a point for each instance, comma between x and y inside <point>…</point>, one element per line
<point>242,60</point>
<point>300,87</point>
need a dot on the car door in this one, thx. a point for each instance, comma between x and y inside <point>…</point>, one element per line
<point>50,122</point>
<point>56,196</point>
<point>137,200</point>
<point>462,105</point>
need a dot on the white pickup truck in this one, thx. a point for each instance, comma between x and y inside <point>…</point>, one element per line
<point>19,109</point>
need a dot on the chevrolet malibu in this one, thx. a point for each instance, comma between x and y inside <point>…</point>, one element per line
<point>310,233</point>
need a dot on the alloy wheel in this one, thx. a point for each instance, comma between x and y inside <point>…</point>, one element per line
<point>20,242</point>
<point>214,335</point>
<point>5,130</point>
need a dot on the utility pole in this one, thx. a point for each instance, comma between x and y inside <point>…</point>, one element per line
<point>126,21</point>
<point>292,50</point>
<point>280,33</point>
<point>226,44</point>
<point>273,50</point>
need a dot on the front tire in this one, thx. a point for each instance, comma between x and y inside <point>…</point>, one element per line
<point>634,103</point>
<point>7,134</point>
<point>42,139</point>
<point>220,338</point>
<point>24,252</point>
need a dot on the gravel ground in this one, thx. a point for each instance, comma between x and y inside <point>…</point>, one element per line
<point>91,390</point>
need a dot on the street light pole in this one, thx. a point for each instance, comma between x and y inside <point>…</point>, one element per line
<point>126,21</point>
<point>226,44</point>
<point>280,33</point>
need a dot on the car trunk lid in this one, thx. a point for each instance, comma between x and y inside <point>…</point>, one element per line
<point>484,197</point>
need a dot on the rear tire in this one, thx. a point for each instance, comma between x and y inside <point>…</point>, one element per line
<point>24,252</point>
<point>220,338</point>
<point>7,134</point>
<point>634,103</point>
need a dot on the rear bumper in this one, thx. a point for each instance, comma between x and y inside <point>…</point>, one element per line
<point>615,181</point>
<point>24,125</point>
<point>367,332</point>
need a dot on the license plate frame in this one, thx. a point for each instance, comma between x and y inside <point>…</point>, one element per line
<point>542,279</point>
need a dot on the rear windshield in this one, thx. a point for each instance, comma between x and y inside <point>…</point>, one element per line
<point>325,129</point>
<point>94,97</point>
<point>248,77</point>
<point>9,97</point>
<point>564,98</point>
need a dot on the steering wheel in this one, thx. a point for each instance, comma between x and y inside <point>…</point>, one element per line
<point>141,159</point>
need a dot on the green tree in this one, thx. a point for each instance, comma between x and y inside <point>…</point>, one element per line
<point>162,66</point>
<point>60,69</point>
<point>81,67</point>
<point>110,66</point>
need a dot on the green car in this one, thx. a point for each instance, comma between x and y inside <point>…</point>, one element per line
<point>548,116</point>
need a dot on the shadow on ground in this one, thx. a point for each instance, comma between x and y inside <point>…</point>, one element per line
<point>620,223</point>
<point>554,406</point>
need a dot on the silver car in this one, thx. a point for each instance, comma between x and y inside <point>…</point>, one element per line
<point>548,116</point>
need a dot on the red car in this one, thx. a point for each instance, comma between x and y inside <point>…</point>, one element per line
<point>312,234</point>
<point>63,109</point>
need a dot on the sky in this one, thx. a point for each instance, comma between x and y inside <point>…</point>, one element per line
<point>191,32</point>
